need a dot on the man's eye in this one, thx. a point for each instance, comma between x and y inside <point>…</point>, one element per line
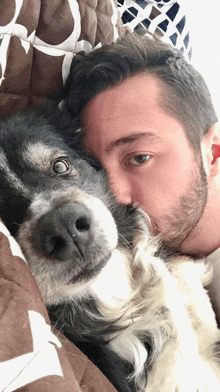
<point>60,166</point>
<point>138,159</point>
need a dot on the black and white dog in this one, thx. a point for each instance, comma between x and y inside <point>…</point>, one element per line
<point>148,324</point>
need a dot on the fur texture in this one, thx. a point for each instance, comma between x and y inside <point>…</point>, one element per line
<point>96,266</point>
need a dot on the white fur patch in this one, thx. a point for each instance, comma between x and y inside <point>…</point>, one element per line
<point>113,286</point>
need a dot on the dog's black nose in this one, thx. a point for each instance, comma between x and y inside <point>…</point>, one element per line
<point>64,232</point>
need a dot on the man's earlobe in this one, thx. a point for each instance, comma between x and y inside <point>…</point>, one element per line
<point>211,150</point>
<point>215,152</point>
<point>215,164</point>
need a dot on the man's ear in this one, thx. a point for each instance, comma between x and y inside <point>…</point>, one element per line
<point>210,146</point>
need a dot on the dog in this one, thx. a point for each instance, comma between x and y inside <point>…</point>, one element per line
<point>146,322</point>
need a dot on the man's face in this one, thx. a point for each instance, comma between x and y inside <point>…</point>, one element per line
<point>147,156</point>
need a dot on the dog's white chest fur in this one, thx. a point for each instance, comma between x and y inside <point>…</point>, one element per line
<point>112,285</point>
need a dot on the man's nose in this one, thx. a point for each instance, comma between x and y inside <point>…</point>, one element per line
<point>121,188</point>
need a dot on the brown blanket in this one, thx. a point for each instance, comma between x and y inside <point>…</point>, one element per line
<point>38,39</point>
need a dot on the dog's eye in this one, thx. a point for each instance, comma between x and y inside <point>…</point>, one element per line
<point>60,166</point>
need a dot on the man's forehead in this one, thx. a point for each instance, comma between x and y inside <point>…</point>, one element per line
<point>125,113</point>
<point>131,90</point>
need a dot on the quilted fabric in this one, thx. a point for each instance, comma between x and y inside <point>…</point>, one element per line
<point>165,18</point>
<point>38,39</point>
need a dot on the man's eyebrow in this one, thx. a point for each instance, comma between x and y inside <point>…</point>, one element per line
<point>133,137</point>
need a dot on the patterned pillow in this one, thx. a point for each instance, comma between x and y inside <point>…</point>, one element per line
<point>165,18</point>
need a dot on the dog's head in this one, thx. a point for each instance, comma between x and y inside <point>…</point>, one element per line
<point>57,206</point>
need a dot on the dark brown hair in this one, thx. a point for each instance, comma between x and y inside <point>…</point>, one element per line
<point>185,94</point>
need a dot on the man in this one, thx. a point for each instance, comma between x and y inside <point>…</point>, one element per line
<point>147,116</point>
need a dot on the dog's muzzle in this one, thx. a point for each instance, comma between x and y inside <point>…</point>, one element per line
<point>65,232</point>
<point>67,243</point>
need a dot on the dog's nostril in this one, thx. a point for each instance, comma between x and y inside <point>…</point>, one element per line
<point>56,244</point>
<point>83,224</point>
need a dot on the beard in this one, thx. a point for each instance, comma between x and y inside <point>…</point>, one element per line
<point>176,227</point>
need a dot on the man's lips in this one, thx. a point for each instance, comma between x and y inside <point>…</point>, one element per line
<point>87,274</point>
